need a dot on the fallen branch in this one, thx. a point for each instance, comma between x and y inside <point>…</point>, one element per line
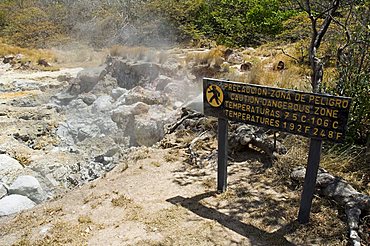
<point>186,114</point>
<point>354,202</point>
<point>246,135</point>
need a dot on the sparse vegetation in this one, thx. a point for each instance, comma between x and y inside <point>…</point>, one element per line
<point>84,219</point>
<point>121,201</point>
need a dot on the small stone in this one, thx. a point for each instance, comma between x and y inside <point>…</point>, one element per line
<point>15,203</point>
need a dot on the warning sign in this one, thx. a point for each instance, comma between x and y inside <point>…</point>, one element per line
<point>214,95</point>
<point>312,115</point>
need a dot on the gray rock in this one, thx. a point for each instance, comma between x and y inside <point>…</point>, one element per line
<point>124,115</point>
<point>28,186</point>
<point>87,131</point>
<point>140,94</point>
<point>3,190</point>
<point>118,92</point>
<point>26,85</point>
<point>131,74</point>
<point>88,98</point>
<point>102,104</point>
<point>171,67</point>
<point>148,132</point>
<point>88,78</point>
<point>162,82</point>
<point>62,98</point>
<point>15,203</point>
<point>60,173</point>
<point>8,164</point>
<point>105,85</point>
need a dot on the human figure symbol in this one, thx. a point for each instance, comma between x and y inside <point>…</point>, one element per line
<point>215,96</point>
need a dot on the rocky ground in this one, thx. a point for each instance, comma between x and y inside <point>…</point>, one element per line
<point>94,156</point>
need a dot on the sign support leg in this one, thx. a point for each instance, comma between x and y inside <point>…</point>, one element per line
<point>222,155</point>
<point>310,181</point>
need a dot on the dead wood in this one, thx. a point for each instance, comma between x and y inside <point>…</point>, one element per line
<point>241,136</point>
<point>335,188</point>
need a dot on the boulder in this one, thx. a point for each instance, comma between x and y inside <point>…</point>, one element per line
<point>8,164</point>
<point>148,132</point>
<point>140,94</point>
<point>89,77</point>
<point>179,90</point>
<point>105,85</point>
<point>15,203</point>
<point>122,113</point>
<point>8,59</point>
<point>28,186</point>
<point>43,62</point>
<point>280,66</point>
<point>86,130</point>
<point>102,104</point>
<point>162,82</point>
<point>130,74</point>
<point>62,98</point>
<point>117,92</point>
<point>26,85</point>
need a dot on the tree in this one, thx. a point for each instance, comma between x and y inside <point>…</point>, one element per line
<point>353,65</point>
<point>321,16</point>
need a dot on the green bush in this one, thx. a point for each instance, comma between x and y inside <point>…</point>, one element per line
<point>234,23</point>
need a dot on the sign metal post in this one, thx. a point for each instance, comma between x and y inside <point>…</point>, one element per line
<point>310,181</point>
<point>222,155</point>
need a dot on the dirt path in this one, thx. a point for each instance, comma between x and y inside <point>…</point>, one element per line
<point>152,202</point>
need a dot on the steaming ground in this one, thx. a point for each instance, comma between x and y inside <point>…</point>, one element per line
<point>117,186</point>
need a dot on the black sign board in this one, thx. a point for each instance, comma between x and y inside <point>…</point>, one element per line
<point>312,115</point>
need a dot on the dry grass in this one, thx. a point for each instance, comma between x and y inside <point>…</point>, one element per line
<point>264,71</point>
<point>213,57</point>
<point>30,54</point>
<point>172,155</point>
<point>84,219</point>
<point>121,201</point>
<point>155,163</point>
<point>33,55</point>
<point>64,233</point>
<point>209,183</point>
<point>140,154</point>
<point>350,165</point>
<point>23,159</point>
<point>138,53</point>
<point>17,94</point>
<point>78,55</point>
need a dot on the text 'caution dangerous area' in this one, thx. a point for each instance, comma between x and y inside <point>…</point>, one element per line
<point>311,115</point>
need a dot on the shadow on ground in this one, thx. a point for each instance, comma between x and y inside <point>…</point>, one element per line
<point>254,234</point>
<point>254,206</point>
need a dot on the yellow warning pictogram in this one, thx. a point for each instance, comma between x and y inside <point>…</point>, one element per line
<point>214,95</point>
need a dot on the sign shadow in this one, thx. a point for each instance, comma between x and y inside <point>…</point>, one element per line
<point>256,236</point>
